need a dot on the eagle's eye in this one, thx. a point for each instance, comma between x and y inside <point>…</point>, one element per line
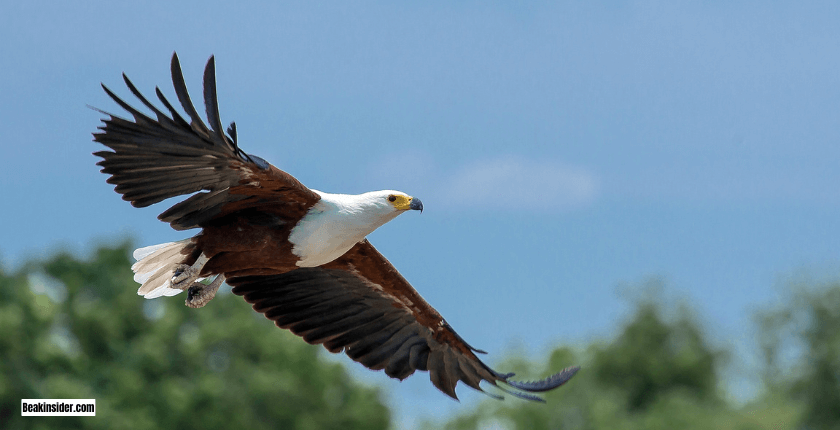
<point>392,198</point>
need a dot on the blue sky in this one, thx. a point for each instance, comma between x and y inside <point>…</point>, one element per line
<point>565,152</point>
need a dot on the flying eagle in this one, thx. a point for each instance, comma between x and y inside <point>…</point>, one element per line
<point>297,255</point>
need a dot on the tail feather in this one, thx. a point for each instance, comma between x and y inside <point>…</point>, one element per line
<point>156,265</point>
<point>141,253</point>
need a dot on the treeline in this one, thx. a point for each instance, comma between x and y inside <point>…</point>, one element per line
<point>73,328</point>
<point>77,329</point>
<point>661,372</point>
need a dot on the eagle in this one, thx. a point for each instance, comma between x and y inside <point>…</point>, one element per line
<point>298,255</point>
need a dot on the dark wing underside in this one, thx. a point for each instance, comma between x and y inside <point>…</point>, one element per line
<point>360,304</point>
<point>154,159</point>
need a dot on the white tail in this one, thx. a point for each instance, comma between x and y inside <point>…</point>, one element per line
<point>155,267</point>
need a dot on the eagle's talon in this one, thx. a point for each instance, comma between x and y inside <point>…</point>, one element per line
<point>194,290</point>
<point>195,298</point>
<point>182,274</point>
<point>198,295</point>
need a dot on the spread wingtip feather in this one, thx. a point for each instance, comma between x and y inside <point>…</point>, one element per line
<point>547,384</point>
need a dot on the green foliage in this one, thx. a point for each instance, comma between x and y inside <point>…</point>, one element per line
<point>652,358</point>
<point>77,329</point>
<point>657,373</point>
<point>810,323</point>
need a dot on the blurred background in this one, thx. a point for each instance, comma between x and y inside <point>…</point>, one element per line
<point>646,189</point>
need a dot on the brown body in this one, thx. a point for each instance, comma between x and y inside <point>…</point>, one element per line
<point>247,247</point>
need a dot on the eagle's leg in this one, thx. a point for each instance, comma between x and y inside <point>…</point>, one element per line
<point>199,294</point>
<point>185,274</point>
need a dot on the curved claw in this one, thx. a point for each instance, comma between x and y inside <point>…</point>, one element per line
<point>199,294</point>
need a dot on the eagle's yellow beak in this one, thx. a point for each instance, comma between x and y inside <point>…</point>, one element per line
<point>405,203</point>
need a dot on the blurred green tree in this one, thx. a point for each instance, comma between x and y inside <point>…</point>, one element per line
<point>77,329</point>
<point>659,372</point>
<point>801,346</point>
<point>651,358</point>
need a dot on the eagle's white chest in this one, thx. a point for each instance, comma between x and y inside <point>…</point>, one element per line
<point>334,225</point>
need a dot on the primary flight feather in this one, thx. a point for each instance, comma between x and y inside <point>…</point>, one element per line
<point>297,255</point>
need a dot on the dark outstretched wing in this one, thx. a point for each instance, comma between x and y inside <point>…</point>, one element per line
<point>359,303</point>
<point>154,159</point>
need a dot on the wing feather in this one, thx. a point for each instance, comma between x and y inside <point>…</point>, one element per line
<point>153,159</point>
<point>164,120</point>
<point>399,367</point>
<point>211,105</point>
<point>362,305</point>
<point>184,97</point>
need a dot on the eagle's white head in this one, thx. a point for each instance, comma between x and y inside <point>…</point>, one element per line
<point>381,203</point>
<point>339,221</point>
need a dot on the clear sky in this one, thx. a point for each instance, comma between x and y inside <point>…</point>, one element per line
<point>565,152</point>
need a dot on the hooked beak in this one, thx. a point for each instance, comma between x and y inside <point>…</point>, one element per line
<point>416,205</point>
